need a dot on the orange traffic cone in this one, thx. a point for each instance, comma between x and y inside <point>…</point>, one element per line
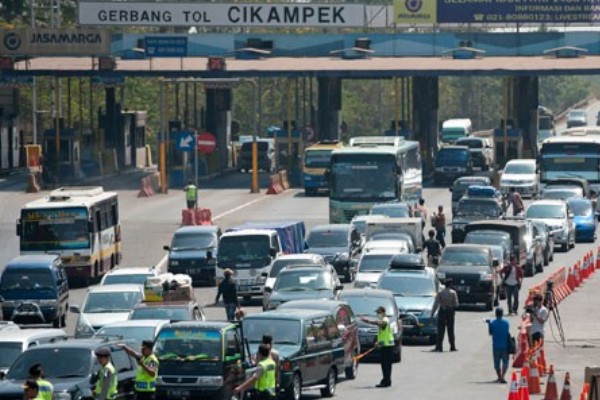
<point>551,389</point>
<point>566,392</point>
<point>523,383</point>
<point>534,381</point>
<point>521,358</point>
<point>584,392</point>
<point>598,258</point>
<point>537,361</point>
<point>514,388</point>
<point>542,361</point>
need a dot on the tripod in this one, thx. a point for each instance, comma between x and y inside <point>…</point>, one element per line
<point>552,305</point>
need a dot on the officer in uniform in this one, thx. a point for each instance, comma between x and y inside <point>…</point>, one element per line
<point>385,342</point>
<point>31,390</point>
<point>191,195</point>
<point>264,376</point>
<point>46,390</point>
<point>145,378</point>
<point>106,385</point>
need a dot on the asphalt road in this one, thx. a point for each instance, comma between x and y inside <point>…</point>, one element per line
<point>148,223</point>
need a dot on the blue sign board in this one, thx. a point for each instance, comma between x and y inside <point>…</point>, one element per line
<point>108,80</point>
<point>166,46</point>
<point>185,141</point>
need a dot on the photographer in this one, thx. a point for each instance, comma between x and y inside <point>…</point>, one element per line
<point>539,315</point>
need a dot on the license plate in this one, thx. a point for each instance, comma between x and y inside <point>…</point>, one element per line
<point>465,289</point>
<point>178,393</point>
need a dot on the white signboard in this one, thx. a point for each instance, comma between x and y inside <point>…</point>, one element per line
<point>223,14</point>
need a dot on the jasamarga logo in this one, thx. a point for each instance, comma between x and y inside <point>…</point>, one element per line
<point>65,38</point>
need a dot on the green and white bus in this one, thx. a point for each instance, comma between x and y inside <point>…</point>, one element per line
<point>373,170</point>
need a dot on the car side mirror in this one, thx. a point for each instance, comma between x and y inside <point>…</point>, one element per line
<point>268,290</point>
<point>273,252</point>
<point>19,228</point>
<point>74,309</point>
<point>166,248</point>
<point>230,352</point>
<point>450,190</point>
<point>91,226</point>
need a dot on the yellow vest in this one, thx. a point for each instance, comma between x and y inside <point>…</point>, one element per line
<point>266,382</point>
<point>112,389</point>
<point>191,192</point>
<point>46,390</point>
<point>143,381</point>
<point>385,336</point>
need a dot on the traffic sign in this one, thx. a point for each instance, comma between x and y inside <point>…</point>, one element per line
<point>166,46</point>
<point>185,141</point>
<point>206,142</point>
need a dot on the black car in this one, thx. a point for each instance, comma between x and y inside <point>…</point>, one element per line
<point>72,368</point>
<point>460,186</point>
<point>474,209</point>
<point>339,244</point>
<point>452,162</point>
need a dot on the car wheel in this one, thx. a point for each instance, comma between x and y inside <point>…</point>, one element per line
<point>56,322</point>
<point>539,267</point>
<point>547,257</point>
<point>307,192</point>
<point>564,247</point>
<point>352,370</point>
<point>63,318</point>
<point>329,390</point>
<point>489,305</point>
<point>528,270</point>
<point>294,391</point>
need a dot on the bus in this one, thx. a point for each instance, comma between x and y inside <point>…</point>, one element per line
<point>373,170</point>
<point>81,224</point>
<point>316,161</point>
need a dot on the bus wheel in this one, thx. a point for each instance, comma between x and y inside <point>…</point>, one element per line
<point>112,262</point>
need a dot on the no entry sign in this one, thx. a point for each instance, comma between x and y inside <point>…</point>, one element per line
<point>206,142</point>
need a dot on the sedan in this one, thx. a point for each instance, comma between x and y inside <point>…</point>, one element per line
<point>584,219</point>
<point>521,175</point>
<point>577,117</point>
<point>558,217</point>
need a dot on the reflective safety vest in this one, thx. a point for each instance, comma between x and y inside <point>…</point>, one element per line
<point>144,382</point>
<point>385,336</point>
<point>266,382</point>
<point>191,192</point>
<point>108,369</point>
<point>45,389</point>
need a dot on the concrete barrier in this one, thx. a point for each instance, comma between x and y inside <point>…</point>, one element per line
<point>145,188</point>
<point>275,185</point>
<point>283,179</point>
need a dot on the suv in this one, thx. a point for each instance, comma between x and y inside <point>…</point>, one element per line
<point>311,351</point>
<point>481,151</point>
<point>72,368</point>
<point>15,341</point>
<point>474,209</point>
<point>35,290</point>
<point>266,156</point>
<point>460,186</point>
<point>452,162</point>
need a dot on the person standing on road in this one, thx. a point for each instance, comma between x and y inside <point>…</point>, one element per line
<point>228,289</point>
<point>539,315</point>
<point>515,199</point>
<point>422,212</point>
<point>106,385</point>
<point>264,377</point>
<point>512,278</point>
<point>145,378</point>
<point>499,330</point>
<point>438,221</point>
<point>385,343</point>
<point>45,388</point>
<point>267,340</point>
<point>434,249</point>
<point>447,303</point>
<point>191,195</point>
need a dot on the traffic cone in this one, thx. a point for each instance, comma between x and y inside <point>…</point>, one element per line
<point>514,388</point>
<point>542,361</point>
<point>566,392</point>
<point>521,359</point>
<point>571,279</point>
<point>577,275</point>
<point>598,258</point>
<point>537,361</point>
<point>551,389</point>
<point>523,383</point>
<point>534,381</point>
<point>584,392</point>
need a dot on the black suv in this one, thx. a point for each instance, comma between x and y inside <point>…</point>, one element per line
<point>474,209</point>
<point>72,368</point>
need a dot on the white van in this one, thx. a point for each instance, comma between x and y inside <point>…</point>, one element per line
<point>13,342</point>
<point>454,129</point>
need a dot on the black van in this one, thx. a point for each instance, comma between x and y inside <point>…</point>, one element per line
<point>517,230</point>
<point>266,156</point>
<point>452,162</point>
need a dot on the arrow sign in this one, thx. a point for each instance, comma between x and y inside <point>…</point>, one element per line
<point>185,141</point>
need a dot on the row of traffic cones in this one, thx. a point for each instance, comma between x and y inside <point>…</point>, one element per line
<point>583,269</point>
<point>521,389</point>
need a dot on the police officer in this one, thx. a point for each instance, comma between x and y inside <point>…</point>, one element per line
<point>191,195</point>
<point>46,390</point>
<point>447,302</point>
<point>31,390</point>
<point>263,378</point>
<point>145,378</point>
<point>106,385</point>
<point>385,342</point>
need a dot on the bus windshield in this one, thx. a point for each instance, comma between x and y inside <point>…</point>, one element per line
<point>364,177</point>
<point>244,248</point>
<point>578,166</point>
<point>317,158</point>
<point>54,229</point>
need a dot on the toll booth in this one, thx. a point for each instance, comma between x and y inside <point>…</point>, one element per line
<point>508,145</point>
<point>284,142</point>
<point>63,165</point>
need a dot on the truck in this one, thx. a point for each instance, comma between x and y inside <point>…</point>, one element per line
<point>251,248</point>
<point>391,226</point>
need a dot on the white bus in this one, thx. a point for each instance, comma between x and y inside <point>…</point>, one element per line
<point>81,224</point>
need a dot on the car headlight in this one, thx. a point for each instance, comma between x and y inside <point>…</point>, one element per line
<point>261,280</point>
<point>210,380</point>
<point>8,303</point>
<point>83,329</point>
<point>441,275</point>
<point>62,396</point>
<point>174,263</point>
<point>486,277</point>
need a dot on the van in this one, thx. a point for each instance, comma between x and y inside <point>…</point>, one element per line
<point>517,230</point>
<point>15,341</point>
<point>35,290</point>
<point>454,129</point>
<point>266,156</point>
<point>316,161</point>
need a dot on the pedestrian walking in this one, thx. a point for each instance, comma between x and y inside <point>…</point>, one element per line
<point>106,385</point>
<point>228,289</point>
<point>45,388</point>
<point>512,278</point>
<point>447,303</point>
<point>499,330</point>
<point>438,221</point>
<point>145,378</point>
<point>421,211</point>
<point>434,249</point>
<point>539,315</point>
<point>31,390</point>
<point>264,377</point>
<point>385,343</point>
<point>515,199</point>
<point>191,195</point>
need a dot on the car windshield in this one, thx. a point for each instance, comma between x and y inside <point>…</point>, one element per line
<point>396,211</point>
<point>374,263</point>
<point>9,351</point>
<point>520,168</point>
<point>366,305</point>
<point>327,238</point>
<point>55,229</point>
<point>317,158</point>
<point>136,333</point>
<point>478,208</point>
<point>289,281</point>
<point>472,144</point>
<point>193,241</point>
<point>477,238</point>
<point>79,363</point>
<point>278,265</point>
<point>461,257</point>
<point>283,331</point>
<point>169,313</point>
<point>244,248</point>
<point>135,279</point>
<point>188,344</point>
<point>562,194</point>
<point>111,302</point>
<point>550,211</point>
<point>581,208</point>
<point>452,157</point>
<point>408,286</point>
<point>450,134</point>
<point>26,279</point>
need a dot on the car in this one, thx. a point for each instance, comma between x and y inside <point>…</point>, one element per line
<point>364,302</point>
<point>193,251</point>
<point>265,152</point>
<point>474,271</point>
<point>460,186</point>
<point>303,282</point>
<point>584,219</point>
<point>492,237</point>
<point>347,325</point>
<point>517,229</point>
<point>173,311</point>
<point>136,330</point>
<point>481,150</point>
<point>370,266</point>
<point>577,117</point>
<point>452,162</point>
<point>566,193</point>
<point>415,287</point>
<point>13,342</point>
<point>72,368</point>
<point>339,244</point>
<point>387,237</point>
<point>558,216</point>
<point>311,351</point>
<point>8,326</point>
<point>135,276</point>
<point>474,209</point>
<point>392,210</point>
<point>522,176</point>
<point>105,305</point>
<point>285,261</point>
<point>543,232</point>
<point>534,246</point>
<point>35,290</point>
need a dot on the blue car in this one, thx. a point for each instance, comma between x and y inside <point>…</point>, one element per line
<point>584,219</point>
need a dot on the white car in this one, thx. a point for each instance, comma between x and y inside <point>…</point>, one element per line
<point>136,276</point>
<point>521,175</point>
<point>558,217</point>
<point>371,265</point>
<point>15,341</point>
<point>136,330</point>
<point>399,246</point>
<point>105,305</point>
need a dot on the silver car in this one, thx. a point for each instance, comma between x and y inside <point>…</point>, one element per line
<point>557,215</point>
